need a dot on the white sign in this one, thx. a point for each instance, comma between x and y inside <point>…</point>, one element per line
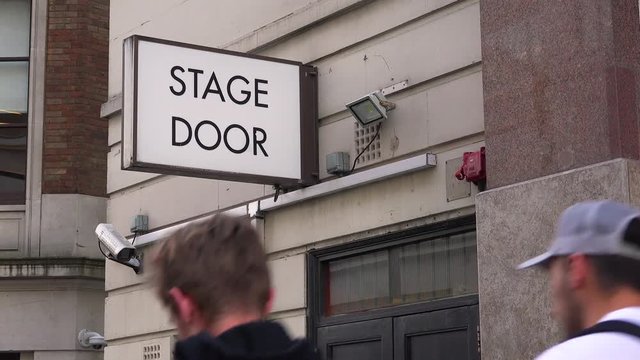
<point>204,112</point>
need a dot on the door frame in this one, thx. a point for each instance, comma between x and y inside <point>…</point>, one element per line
<point>315,257</point>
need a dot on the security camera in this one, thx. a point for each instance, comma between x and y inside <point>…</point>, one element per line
<point>91,339</point>
<point>118,246</point>
<point>119,249</point>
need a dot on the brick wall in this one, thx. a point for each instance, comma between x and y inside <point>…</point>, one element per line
<point>75,138</point>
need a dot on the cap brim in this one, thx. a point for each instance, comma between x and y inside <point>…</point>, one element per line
<point>539,260</point>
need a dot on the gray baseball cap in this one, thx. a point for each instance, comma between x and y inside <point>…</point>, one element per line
<point>594,228</point>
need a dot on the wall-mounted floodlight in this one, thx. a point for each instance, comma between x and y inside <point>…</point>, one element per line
<point>371,108</point>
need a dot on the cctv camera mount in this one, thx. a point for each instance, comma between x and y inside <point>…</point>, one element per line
<point>135,263</point>
<point>388,105</point>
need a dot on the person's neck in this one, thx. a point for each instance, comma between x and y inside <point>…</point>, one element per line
<point>603,305</point>
<point>232,320</point>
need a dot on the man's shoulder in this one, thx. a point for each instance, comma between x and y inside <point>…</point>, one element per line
<point>595,346</point>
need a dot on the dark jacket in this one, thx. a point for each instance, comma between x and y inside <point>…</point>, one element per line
<point>253,341</point>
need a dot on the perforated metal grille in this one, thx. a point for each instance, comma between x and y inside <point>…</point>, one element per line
<point>363,136</point>
<point>151,351</point>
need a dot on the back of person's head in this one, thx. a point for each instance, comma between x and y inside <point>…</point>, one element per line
<point>614,272</point>
<point>219,264</point>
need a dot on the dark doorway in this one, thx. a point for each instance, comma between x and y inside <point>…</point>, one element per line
<point>449,334</point>
<point>405,296</point>
<point>9,356</point>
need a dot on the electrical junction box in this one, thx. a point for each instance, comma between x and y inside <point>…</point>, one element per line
<point>140,223</point>
<point>338,163</point>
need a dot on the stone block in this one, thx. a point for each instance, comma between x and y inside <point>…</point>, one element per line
<point>68,225</point>
<point>560,85</point>
<point>288,282</point>
<point>515,223</point>
<point>134,313</point>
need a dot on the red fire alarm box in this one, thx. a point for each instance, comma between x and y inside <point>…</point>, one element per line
<point>473,167</point>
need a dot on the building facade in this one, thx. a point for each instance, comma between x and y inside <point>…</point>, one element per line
<point>53,66</point>
<point>400,259</point>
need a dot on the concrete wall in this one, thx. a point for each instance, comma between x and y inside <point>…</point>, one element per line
<point>60,355</point>
<point>358,47</point>
<point>516,223</point>
<point>65,228</point>
<point>51,272</point>
<point>68,224</point>
<point>441,75</point>
<point>66,355</point>
<point>46,302</point>
<point>58,307</point>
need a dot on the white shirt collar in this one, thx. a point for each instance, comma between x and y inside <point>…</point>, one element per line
<point>628,314</point>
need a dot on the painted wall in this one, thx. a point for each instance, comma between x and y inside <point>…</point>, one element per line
<point>358,47</point>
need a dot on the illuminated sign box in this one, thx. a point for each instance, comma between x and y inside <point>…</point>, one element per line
<point>202,112</point>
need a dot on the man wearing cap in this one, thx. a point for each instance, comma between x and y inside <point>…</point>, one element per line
<point>594,272</point>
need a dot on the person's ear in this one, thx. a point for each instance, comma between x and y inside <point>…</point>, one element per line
<point>578,270</point>
<point>183,307</point>
<point>269,304</point>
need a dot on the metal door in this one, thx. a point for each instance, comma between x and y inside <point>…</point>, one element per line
<point>439,335</point>
<point>365,340</point>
